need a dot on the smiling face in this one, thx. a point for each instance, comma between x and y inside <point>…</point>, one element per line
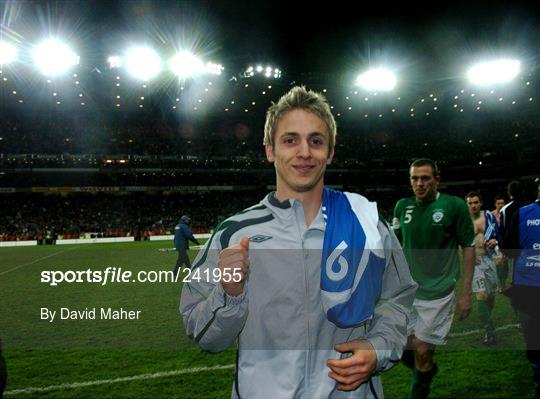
<point>300,153</point>
<point>424,184</point>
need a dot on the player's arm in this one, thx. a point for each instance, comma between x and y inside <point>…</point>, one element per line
<point>189,234</point>
<point>465,236</point>
<point>388,329</point>
<point>396,221</point>
<point>464,300</point>
<point>213,317</point>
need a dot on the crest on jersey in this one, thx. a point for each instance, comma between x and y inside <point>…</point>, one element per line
<point>437,216</point>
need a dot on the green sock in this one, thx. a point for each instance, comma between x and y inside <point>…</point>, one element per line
<point>421,382</point>
<point>490,303</point>
<point>484,314</point>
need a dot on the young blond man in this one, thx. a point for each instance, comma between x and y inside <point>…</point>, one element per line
<point>308,323</point>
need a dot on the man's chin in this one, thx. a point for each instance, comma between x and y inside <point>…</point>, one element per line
<point>304,188</point>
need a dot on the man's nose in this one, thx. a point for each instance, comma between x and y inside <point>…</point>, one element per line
<point>303,150</point>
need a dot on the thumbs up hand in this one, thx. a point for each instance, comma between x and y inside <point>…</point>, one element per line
<point>234,266</point>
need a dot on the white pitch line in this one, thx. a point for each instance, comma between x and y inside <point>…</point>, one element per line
<point>38,260</point>
<point>34,390</point>
<point>471,332</point>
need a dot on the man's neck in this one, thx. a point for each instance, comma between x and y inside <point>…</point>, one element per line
<point>478,215</point>
<point>311,200</point>
<point>430,199</point>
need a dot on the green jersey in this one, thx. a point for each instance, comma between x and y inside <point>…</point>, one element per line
<point>430,234</point>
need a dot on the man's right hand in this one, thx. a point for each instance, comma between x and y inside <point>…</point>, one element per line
<point>464,305</point>
<point>234,266</point>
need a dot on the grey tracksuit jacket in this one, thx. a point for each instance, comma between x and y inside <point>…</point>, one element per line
<point>284,338</point>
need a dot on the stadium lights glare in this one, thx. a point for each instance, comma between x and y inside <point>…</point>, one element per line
<point>114,61</point>
<point>8,53</point>
<point>493,72</point>
<point>378,79</point>
<point>267,71</point>
<point>143,63</point>
<point>53,57</point>
<point>186,65</point>
<point>214,69</point>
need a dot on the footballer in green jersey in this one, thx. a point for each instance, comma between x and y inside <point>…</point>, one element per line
<point>430,233</point>
<point>431,227</point>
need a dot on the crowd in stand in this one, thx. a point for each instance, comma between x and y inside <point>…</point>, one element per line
<point>77,142</point>
<point>145,149</point>
<point>49,217</point>
<point>46,218</point>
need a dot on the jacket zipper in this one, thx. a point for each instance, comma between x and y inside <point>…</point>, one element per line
<point>308,346</point>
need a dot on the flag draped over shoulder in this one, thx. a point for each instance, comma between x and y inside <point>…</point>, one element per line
<point>491,230</point>
<point>353,262</point>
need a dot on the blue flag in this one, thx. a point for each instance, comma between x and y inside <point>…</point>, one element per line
<point>353,262</point>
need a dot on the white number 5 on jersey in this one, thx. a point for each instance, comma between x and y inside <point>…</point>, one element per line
<point>408,216</point>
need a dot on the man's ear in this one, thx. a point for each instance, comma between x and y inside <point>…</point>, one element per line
<point>269,152</point>
<point>330,156</point>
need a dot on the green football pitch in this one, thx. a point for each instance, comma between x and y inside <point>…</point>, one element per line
<point>151,356</point>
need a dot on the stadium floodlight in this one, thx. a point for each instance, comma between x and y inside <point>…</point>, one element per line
<point>114,61</point>
<point>143,63</point>
<point>53,57</point>
<point>493,72</point>
<point>214,69</point>
<point>249,72</point>
<point>8,53</point>
<point>186,65</point>
<point>378,79</point>
<point>266,71</point>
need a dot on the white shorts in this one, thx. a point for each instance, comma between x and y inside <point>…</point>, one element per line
<point>485,276</point>
<point>431,319</point>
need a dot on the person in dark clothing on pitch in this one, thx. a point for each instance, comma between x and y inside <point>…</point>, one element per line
<point>3,372</point>
<point>182,236</point>
<point>516,192</point>
<point>522,244</point>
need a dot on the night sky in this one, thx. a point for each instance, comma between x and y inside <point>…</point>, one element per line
<point>424,41</point>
